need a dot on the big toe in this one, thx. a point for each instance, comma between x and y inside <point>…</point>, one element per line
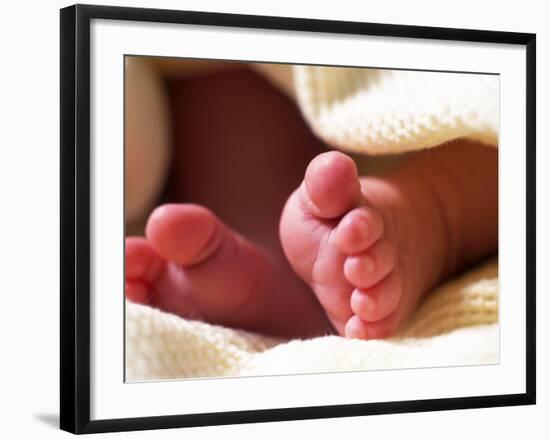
<point>331,185</point>
<point>183,233</point>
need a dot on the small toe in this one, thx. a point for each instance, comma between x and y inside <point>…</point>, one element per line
<point>356,328</point>
<point>378,302</point>
<point>142,263</point>
<point>367,269</point>
<point>142,268</point>
<point>138,292</point>
<point>331,185</point>
<point>383,328</point>
<point>358,230</point>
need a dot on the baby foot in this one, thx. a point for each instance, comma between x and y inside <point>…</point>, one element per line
<point>193,265</point>
<point>368,248</point>
<point>338,242</point>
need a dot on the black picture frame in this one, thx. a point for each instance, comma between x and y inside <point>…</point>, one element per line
<point>75,217</point>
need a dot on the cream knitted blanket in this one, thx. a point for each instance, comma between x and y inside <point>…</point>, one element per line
<point>374,111</point>
<point>456,325</point>
<point>391,111</point>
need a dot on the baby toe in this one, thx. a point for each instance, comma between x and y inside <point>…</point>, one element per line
<point>137,291</point>
<point>356,328</point>
<point>383,328</point>
<point>331,185</point>
<point>185,234</point>
<point>378,302</point>
<point>142,268</point>
<point>141,261</point>
<point>358,230</point>
<point>368,268</point>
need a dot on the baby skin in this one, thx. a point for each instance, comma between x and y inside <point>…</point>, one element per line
<point>358,253</point>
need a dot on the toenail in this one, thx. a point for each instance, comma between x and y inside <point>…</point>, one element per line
<point>363,303</point>
<point>370,303</point>
<point>362,264</point>
<point>368,264</point>
<point>362,226</point>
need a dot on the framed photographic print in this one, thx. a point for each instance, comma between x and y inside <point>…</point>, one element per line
<point>304,218</point>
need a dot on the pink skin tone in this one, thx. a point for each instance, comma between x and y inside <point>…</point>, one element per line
<point>358,253</point>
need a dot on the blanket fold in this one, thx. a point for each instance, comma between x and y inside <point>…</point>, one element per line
<point>378,111</point>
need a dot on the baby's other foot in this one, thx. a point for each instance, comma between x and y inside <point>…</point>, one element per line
<point>193,265</point>
<point>336,241</point>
